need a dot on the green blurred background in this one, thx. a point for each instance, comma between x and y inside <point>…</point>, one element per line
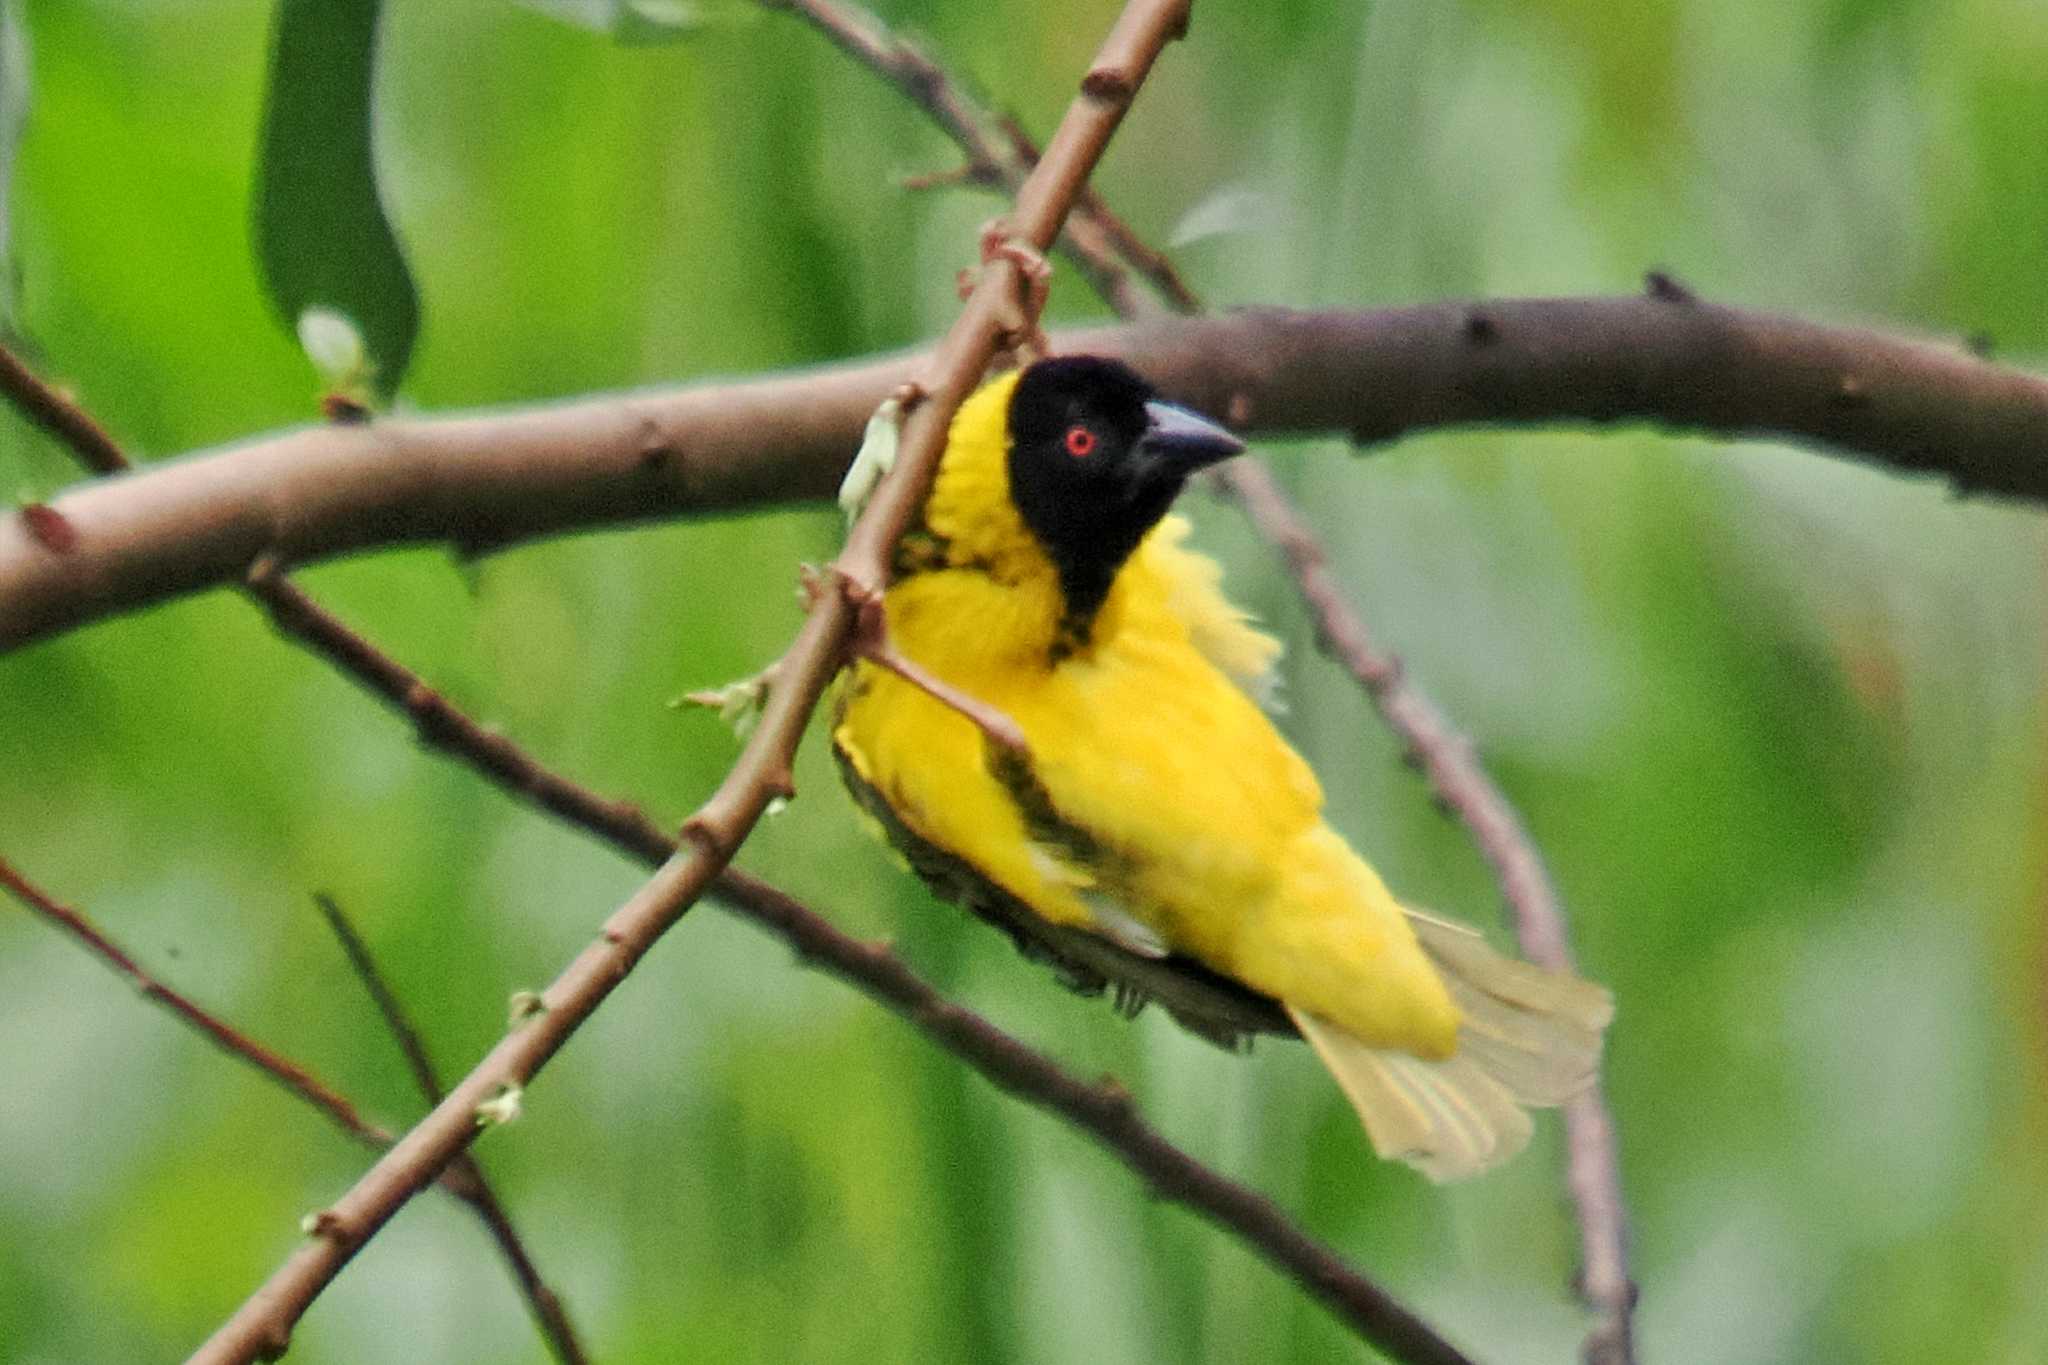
<point>1774,718</point>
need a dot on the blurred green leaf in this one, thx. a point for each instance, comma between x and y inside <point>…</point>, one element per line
<point>641,21</point>
<point>321,233</point>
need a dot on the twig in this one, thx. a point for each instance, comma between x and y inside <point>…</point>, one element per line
<point>263,1324</point>
<point>482,482</point>
<point>1444,756</point>
<point>56,413</point>
<point>551,1318</point>
<point>381,995</point>
<point>1107,237</point>
<point>463,1181</point>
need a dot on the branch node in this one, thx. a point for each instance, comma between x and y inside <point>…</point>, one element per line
<point>1109,85</point>
<point>325,1223</point>
<point>1480,329</point>
<point>503,1107</point>
<point>524,1005</point>
<point>1116,1096</point>
<point>696,830</point>
<point>263,570</point>
<point>49,528</point>
<point>1850,392</point>
<point>344,409</point>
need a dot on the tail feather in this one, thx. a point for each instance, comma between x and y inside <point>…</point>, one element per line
<point>1528,1037</point>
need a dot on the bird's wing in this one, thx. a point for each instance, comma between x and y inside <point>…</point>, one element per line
<point>1220,630</point>
<point>1211,1006</point>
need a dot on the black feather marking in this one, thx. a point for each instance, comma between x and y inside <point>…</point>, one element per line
<point>1206,1003</point>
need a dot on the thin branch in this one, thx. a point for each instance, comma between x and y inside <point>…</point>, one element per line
<point>55,412</point>
<point>484,481</point>
<point>995,308</point>
<point>382,996</point>
<point>1451,766</point>
<point>551,1318</point>
<point>1444,756</point>
<point>294,1079</point>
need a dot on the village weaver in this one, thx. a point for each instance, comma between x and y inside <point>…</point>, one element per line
<point>1153,832</point>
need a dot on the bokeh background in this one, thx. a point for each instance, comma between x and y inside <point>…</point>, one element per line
<point>1774,718</point>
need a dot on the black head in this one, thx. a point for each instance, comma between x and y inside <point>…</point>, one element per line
<point>1095,463</point>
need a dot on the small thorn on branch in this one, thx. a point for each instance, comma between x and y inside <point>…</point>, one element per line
<point>344,409</point>
<point>1665,287</point>
<point>1480,329</point>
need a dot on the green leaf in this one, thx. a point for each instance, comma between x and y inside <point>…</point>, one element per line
<point>321,234</point>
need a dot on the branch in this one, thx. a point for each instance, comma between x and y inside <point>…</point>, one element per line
<point>55,412</point>
<point>264,1322</point>
<point>1443,755</point>
<point>551,1318</point>
<point>480,482</point>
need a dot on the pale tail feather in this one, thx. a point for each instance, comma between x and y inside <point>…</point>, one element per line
<point>1529,1037</point>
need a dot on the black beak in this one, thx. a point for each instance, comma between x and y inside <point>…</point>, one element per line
<point>1190,440</point>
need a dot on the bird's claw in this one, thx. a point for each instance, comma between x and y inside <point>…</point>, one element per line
<point>1020,323</point>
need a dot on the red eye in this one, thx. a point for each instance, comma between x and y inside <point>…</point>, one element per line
<point>1080,442</point>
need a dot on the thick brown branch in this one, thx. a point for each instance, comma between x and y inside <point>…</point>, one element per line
<point>482,481</point>
<point>263,1324</point>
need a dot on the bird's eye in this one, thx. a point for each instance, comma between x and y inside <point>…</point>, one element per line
<point>1080,442</point>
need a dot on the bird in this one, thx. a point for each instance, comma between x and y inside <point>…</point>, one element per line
<point>1154,832</point>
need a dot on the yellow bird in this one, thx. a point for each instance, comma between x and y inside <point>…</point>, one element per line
<point>1157,834</point>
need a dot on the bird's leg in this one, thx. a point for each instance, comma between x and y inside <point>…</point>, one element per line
<point>871,642</point>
